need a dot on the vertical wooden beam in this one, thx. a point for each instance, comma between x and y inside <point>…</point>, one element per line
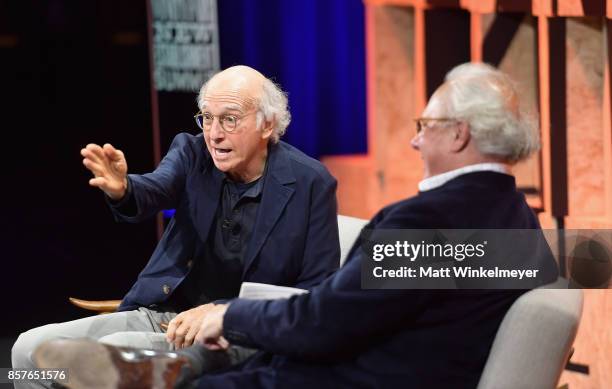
<point>607,115</point>
<point>544,83</point>
<point>377,133</point>
<point>476,36</point>
<point>551,61</point>
<point>543,7</point>
<point>558,117</point>
<point>479,6</point>
<point>466,4</point>
<point>395,166</point>
<point>370,49</point>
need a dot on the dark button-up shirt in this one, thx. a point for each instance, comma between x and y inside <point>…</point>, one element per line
<point>218,263</point>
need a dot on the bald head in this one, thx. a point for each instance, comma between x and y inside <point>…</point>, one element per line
<point>240,85</point>
<point>248,89</point>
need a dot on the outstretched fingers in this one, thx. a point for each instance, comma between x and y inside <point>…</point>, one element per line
<point>96,168</point>
<point>112,153</point>
<point>98,182</point>
<point>94,152</point>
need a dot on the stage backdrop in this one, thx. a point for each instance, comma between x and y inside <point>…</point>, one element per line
<point>315,50</point>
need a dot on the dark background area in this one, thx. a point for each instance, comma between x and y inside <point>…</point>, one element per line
<point>76,71</point>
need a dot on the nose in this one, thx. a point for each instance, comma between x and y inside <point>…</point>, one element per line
<point>414,142</point>
<point>216,132</point>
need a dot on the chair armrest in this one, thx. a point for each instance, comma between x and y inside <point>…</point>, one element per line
<point>102,306</point>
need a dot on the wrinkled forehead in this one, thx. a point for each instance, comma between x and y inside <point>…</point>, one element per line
<point>228,100</point>
<point>232,89</point>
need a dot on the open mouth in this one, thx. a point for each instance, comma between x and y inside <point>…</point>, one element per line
<point>219,152</point>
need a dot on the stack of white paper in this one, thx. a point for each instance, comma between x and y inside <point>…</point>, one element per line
<point>257,291</point>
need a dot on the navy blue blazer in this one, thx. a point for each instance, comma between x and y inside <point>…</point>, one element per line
<point>295,238</point>
<point>342,336</point>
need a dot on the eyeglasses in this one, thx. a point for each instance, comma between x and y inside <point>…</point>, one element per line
<point>229,122</point>
<point>420,122</point>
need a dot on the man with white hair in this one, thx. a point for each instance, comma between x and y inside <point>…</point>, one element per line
<point>249,207</point>
<point>342,336</point>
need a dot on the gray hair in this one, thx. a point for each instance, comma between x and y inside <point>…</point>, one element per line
<point>487,99</point>
<point>273,107</point>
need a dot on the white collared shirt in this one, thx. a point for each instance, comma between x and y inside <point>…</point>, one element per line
<point>441,179</point>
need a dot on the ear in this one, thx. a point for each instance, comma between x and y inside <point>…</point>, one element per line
<point>267,129</point>
<point>462,136</point>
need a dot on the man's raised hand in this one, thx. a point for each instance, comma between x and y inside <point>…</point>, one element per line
<point>109,168</point>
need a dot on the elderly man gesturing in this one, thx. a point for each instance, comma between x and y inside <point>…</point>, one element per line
<point>249,207</point>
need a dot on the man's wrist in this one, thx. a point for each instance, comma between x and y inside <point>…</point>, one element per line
<point>121,196</point>
<point>120,201</point>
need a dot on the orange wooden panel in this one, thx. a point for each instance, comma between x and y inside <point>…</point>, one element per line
<point>420,77</point>
<point>391,170</point>
<point>396,168</point>
<point>371,102</point>
<point>476,36</point>
<point>607,117</point>
<point>366,182</point>
<point>354,174</point>
<point>479,25</point>
<point>479,6</point>
<point>570,8</point>
<point>544,83</point>
<point>543,7</point>
<point>519,60</point>
<point>585,54</point>
<point>538,7</point>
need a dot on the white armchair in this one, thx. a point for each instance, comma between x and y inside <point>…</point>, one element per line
<point>534,340</point>
<point>349,229</point>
